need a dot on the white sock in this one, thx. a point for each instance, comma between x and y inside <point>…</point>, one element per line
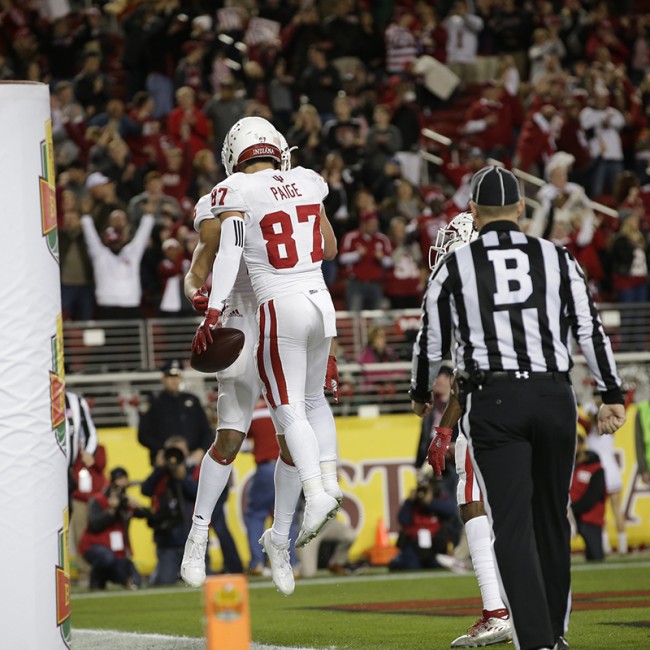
<point>480,550</point>
<point>319,416</point>
<point>287,493</point>
<point>622,543</point>
<point>321,419</point>
<point>303,447</point>
<point>213,478</point>
<point>330,478</point>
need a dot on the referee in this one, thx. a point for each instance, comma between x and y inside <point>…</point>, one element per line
<point>511,302</point>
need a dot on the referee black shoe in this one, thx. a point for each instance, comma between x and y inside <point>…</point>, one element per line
<point>561,644</point>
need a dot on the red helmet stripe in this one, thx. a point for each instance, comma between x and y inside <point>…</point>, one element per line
<point>261,150</point>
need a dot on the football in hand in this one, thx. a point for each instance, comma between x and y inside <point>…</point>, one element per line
<point>227,344</point>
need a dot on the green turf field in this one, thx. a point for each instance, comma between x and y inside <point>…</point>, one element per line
<point>381,611</point>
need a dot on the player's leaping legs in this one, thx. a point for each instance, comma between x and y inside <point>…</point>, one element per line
<point>216,468</point>
<point>275,540</point>
<point>291,356</point>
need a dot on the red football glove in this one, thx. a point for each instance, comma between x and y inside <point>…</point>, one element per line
<point>200,300</point>
<point>203,334</point>
<point>438,449</point>
<point>332,377</point>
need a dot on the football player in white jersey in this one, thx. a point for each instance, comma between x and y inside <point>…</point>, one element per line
<point>239,388</point>
<point>494,624</point>
<point>273,218</point>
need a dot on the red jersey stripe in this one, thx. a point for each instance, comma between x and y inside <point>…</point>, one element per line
<point>276,362</point>
<point>469,477</point>
<point>260,358</point>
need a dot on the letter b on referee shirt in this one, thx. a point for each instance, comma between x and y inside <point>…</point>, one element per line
<point>512,276</point>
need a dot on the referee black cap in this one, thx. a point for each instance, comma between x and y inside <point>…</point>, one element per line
<point>494,185</point>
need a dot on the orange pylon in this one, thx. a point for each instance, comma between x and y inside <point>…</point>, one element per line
<point>227,613</point>
<point>381,538</point>
<point>382,552</point>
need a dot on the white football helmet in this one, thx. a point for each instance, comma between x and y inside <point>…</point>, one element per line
<point>458,232</point>
<point>253,137</point>
<point>285,164</point>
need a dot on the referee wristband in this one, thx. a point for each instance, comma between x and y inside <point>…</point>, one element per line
<point>612,396</point>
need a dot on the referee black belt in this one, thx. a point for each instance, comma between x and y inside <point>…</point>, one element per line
<point>523,375</point>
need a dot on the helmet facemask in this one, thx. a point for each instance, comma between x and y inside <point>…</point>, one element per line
<point>458,232</point>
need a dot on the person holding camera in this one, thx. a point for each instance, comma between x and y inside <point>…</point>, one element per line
<point>172,488</point>
<point>174,412</point>
<point>427,524</point>
<point>105,542</point>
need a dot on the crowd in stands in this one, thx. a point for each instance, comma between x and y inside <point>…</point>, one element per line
<point>144,91</point>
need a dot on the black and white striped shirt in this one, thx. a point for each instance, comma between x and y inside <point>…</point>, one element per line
<point>510,302</point>
<point>80,429</point>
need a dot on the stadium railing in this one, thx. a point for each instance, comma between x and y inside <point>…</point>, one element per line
<point>529,182</point>
<point>116,363</point>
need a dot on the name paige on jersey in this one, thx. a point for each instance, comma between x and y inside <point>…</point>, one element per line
<point>283,192</point>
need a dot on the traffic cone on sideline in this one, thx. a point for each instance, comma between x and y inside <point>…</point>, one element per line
<point>227,614</point>
<point>382,552</point>
<point>381,538</point>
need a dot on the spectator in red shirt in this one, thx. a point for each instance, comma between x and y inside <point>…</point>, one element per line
<point>405,280</point>
<point>366,255</point>
<point>537,140</point>
<point>489,121</point>
<point>432,219</point>
<point>105,543</point>
<point>188,122</point>
<point>426,528</point>
<point>176,169</point>
<point>430,33</point>
<point>604,38</point>
<point>573,140</point>
<point>588,496</point>
<point>144,145</point>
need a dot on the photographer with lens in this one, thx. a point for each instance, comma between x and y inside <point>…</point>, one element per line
<point>172,489</point>
<point>428,523</point>
<point>105,542</point>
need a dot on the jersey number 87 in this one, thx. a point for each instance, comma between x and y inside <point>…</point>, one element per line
<point>278,232</point>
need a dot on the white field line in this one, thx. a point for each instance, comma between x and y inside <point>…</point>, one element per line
<point>306,582</point>
<point>303,582</point>
<point>115,640</point>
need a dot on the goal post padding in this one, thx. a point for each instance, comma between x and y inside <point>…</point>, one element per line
<point>35,594</point>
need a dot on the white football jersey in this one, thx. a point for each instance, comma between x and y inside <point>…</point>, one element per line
<point>283,247</point>
<point>242,292</point>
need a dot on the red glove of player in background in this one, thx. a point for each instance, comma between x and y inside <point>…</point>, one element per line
<point>438,449</point>
<point>332,377</point>
<point>203,334</point>
<point>200,300</point>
